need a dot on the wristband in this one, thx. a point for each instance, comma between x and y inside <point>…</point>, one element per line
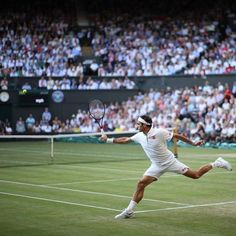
<point>110,140</point>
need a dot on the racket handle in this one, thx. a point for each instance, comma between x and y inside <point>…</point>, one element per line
<point>102,131</point>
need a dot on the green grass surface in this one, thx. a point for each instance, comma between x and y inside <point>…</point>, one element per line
<point>88,184</point>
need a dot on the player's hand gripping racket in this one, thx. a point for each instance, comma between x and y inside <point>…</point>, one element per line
<point>97,112</point>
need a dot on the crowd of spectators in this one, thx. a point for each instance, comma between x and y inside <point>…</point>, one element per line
<point>81,83</point>
<point>85,83</point>
<point>203,112</point>
<point>218,60</point>
<point>45,44</point>
<point>147,45</point>
<point>151,46</point>
<point>36,43</point>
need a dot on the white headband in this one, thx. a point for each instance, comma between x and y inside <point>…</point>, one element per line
<point>141,120</point>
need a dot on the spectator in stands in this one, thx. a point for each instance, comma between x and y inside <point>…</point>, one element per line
<point>8,129</point>
<point>207,88</point>
<point>67,127</point>
<point>56,123</point>
<point>65,84</point>
<point>46,116</point>
<point>227,92</point>
<point>4,84</point>
<point>76,51</point>
<point>73,71</point>
<point>50,83</point>
<point>129,84</point>
<point>47,128</point>
<point>226,105</point>
<point>82,84</point>
<point>42,83</point>
<point>74,84</point>
<point>20,126</point>
<point>62,128</point>
<point>104,85</point>
<point>56,85</point>
<point>80,69</point>
<point>36,128</point>
<point>231,132</point>
<point>30,122</point>
<point>92,84</point>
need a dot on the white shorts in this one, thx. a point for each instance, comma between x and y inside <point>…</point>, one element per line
<point>175,166</point>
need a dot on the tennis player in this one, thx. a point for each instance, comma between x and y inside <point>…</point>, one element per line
<point>154,143</point>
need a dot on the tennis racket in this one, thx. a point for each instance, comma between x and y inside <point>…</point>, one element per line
<point>97,112</point>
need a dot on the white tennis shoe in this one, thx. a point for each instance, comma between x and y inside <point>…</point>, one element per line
<point>124,214</point>
<point>221,163</point>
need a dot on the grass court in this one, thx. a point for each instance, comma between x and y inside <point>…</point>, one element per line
<point>85,185</point>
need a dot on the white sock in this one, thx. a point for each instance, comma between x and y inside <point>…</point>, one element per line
<point>213,164</point>
<point>132,205</point>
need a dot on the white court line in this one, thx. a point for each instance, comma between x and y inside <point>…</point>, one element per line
<point>93,181</point>
<point>88,192</point>
<point>112,169</point>
<point>137,178</point>
<point>58,201</point>
<point>186,207</point>
<point>120,170</point>
<point>112,209</point>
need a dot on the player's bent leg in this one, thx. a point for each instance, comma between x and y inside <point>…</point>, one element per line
<point>219,163</point>
<point>137,197</point>
<point>142,184</point>
<point>196,174</point>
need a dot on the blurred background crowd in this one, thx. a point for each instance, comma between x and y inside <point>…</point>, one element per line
<point>120,42</point>
<point>200,112</point>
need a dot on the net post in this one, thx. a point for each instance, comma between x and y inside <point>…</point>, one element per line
<point>52,148</point>
<point>175,147</point>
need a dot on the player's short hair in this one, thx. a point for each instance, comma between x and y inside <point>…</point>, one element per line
<point>147,119</point>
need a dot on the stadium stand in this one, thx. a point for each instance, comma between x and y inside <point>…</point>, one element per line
<point>200,112</point>
<point>184,40</point>
<point>137,40</point>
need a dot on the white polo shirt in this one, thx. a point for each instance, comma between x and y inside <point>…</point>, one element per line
<point>154,145</point>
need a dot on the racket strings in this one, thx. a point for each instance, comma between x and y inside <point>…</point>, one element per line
<point>97,111</point>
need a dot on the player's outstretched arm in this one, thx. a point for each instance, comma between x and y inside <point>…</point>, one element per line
<point>120,140</point>
<point>187,140</point>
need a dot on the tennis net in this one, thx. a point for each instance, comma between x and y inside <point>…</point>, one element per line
<point>31,150</point>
